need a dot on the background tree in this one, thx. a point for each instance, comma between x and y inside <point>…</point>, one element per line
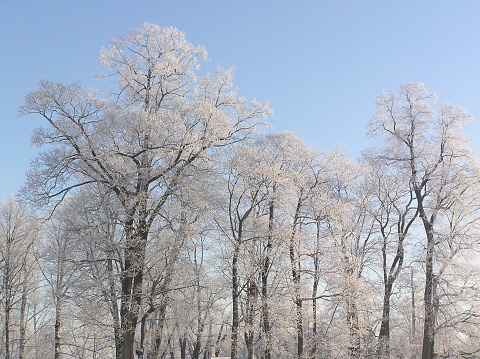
<point>243,195</point>
<point>350,230</point>
<point>19,232</point>
<point>393,210</point>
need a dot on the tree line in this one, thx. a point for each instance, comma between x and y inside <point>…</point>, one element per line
<point>164,220</point>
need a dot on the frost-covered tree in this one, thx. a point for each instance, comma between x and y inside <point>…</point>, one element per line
<point>300,176</point>
<point>393,210</point>
<point>139,143</point>
<point>426,144</point>
<point>19,231</point>
<point>242,196</point>
<point>349,230</point>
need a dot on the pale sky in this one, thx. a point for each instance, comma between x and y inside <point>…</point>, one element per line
<point>320,63</point>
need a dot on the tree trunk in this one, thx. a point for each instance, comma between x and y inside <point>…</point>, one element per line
<point>57,327</point>
<point>384,335</point>
<point>316,279</point>
<point>313,346</point>
<point>413,314</point>
<point>128,341</point>
<point>7,313</point>
<point>235,302</point>
<point>216,349</point>
<point>265,316</point>
<point>35,330</point>
<point>183,347</point>
<point>298,302</point>
<point>200,322</point>
<point>198,340</point>
<point>250,314</point>
<point>353,328</point>
<point>132,283</point>
<point>23,319</point>
<point>170,348</point>
<point>143,329</point>
<point>161,323</point>
<point>196,348</point>
<point>429,321</point>
<point>299,319</point>
<point>296,284</point>
<point>8,305</point>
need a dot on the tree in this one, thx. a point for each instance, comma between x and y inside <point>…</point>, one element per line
<point>90,221</point>
<point>243,196</point>
<point>60,265</point>
<point>138,144</point>
<point>350,230</point>
<point>19,231</point>
<point>430,148</point>
<point>393,210</point>
<point>302,174</point>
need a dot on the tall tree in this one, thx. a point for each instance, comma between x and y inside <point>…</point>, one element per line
<point>19,230</point>
<point>139,143</point>
<point>60,268</point>
<point>428,146</point>
<point>350,228</point>
<point>290,172</point>
<point>393,210</point>
<point>243,196</point>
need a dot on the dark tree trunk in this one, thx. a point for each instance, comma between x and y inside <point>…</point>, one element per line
<point>161,323</point>
<point>296,283</point>
<point>429,318</point>
<point>183,347</point>
<point>7,313</point>
<point>198,340</point>
<point>298,302</point>
<point>8,303</point>
<point>429,321</point>
<point>313,347</point>
<point>200,323</point>
<point>132,281</point>
<point>127,312</point>
<point>384,335</point>
<point>265,315</point>
<point>23,319</point>
<point>220,337</point>
<point>235,303</point>
<point>294,264</point>
<point>197,348</point>
<point>389,278</point>
<point>250,314</point>
<point>316,279</point>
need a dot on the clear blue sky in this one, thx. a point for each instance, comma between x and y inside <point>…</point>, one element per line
<point>320,63</point>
